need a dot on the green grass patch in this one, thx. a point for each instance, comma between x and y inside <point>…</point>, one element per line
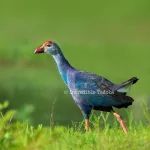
<point>16,135</point>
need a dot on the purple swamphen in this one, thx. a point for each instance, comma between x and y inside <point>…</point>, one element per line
<point>89,90</point>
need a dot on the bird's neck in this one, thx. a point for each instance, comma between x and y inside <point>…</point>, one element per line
<point>63,65</point>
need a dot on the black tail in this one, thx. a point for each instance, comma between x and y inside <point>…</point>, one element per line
<point>125,86</point>
<point>132,80</point>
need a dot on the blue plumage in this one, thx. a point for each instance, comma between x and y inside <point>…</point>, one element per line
<point>89,90</point>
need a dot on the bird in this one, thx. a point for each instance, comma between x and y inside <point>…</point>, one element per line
<point>89,90</point>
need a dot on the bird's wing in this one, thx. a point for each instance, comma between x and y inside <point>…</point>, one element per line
<point>90,81</point>
<point>98,91</point>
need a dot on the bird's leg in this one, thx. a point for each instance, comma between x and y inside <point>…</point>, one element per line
<point>87,125</point>
<point>119,118</point>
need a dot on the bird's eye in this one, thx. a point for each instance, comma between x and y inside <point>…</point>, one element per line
<point>48,45</point>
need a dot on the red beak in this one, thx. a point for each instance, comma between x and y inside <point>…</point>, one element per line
<point>40,49</point>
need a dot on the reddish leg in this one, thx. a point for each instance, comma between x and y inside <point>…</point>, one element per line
<point>120,121</point>
<point>87,125</point>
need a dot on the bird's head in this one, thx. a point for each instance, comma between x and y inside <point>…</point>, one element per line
<point>47,47</point>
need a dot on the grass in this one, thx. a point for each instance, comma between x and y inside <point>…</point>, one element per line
<point>15,135</point>
<point>22,136</point>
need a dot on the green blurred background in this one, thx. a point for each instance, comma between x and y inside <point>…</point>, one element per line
<point>110,38</point>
